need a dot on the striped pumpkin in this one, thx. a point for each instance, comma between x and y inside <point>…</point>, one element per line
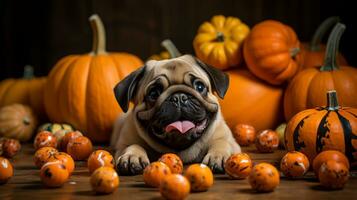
<point>324,128</point>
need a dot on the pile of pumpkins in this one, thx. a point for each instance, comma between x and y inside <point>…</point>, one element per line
<point>272,76</point>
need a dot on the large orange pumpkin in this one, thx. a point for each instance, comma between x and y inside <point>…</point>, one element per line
<point>271,52</point>
<point>308,87</point>
<point>324,128</point>
<point>314,52</point>
<point>80,87</point>
<point>251,101</point>
<point>28,91</point>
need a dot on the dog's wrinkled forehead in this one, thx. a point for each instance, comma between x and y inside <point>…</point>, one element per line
<point>175,69</point>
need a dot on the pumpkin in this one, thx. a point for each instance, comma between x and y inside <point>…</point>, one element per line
<point>218,42</point>
<point>314,52</point>
<point>28,91</point>
<point>251,101</point>
<point>80,87</point>
<point>18,122</point>
<point>308,88</point>
<point>271,52</point>
<point>171,51</point>
<point>324,128</point>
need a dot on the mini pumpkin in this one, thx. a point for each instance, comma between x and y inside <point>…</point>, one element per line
<point>267,141</point>
<point>100,158</point>
<point>308,88</point>
<point>294,164</point>
<point>85,84</point>
<point>333,175</point>
<point>6,170</point>
<point>244,134</point>
<point>238,166</point>
<point>43,155</point>
<point>80,148</point>
<point>67,137</point>
<point>271,52</point>
<point>17,121</point>
<point>200,176</point>
<point>104,180</point>
<point>173,162</point>
<point>218,42</point>
<point>264,177</point>
<point>175,187</point>
<point>171,51</point>
<point>324,128</point>
<point>54,174</point>
<point>155,172</point>
<point>45,139</point>
<point>314,52</point>
<point>325,156</point>
<point>10,147</point>
<point>64,159</point>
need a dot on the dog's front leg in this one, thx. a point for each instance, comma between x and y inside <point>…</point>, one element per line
<point>219,151</point>
<point>132,160</point>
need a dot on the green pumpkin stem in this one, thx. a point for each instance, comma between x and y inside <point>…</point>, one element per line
<point>171,48</point>
<point>294,51</point>
<point>220,37</point>
<point>321,31</point>
<point>332,102</point>
<point>28,72</point>
<point>333,43</point>
<point>98,35</point>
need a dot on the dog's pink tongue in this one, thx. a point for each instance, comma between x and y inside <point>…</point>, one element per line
<point>182,126</point>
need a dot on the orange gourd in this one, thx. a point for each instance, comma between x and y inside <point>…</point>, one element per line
<point>314,52</point>
<point>28,91</point>
<point>325,156</point>
<point>324,128</point>
<point>260,103</point>
<point>271,52</point>
<point>308,88</point>
<point>218,42</point>
<point>80,87</point>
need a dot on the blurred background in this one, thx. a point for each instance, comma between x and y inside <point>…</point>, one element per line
<point>39,33</point>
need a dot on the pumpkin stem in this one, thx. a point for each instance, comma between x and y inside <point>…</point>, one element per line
<point>220,37</point>
<point>98,35</point>
<point>26,121</point>
<point>333,43</point>
<point>28,72</point>
<point>321,31</point>
<point>294,51</point>
<point>171,48</point>
<point>332,102</point>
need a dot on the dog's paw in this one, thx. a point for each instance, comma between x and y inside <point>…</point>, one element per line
<point>216,160</point>
<point>131,164</point>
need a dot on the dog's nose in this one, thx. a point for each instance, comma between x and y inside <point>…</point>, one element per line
<point>179,98</point>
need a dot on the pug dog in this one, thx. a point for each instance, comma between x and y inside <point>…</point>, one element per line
<point>174,110</point>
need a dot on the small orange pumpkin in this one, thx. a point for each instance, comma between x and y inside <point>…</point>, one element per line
<point>333,175</point>
<point>174,187</point>
<point>44,139</point>
<point>238,166</point>
<point>43,155</point>
<point>218,42</point>
<point>294,164</point>
<point>308,88</point>
<point>271,52</point>
<point>200,177</point>
<point>6,170</point>
<point>104,180</point>
<point>85,85</point>
<point>325,156</point>
<point>324,128</point>
<point>244,134</point>
<point>267,141</point>
<point>264,177</point>
<point>9,147</point>
<point>17,121</point>
<point>173,162</point>
<point>64,159</point>
<point>80,148</point>
<point>100,158</point>
<point>54,174</point>
<point>314,52</point>
<point>154,173</point>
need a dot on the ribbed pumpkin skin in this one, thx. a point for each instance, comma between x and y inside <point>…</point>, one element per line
<point>314,130</point>
<point>79,91</point>
<point>251,101</point>
<point>17,121</point>
<point>269,52</point>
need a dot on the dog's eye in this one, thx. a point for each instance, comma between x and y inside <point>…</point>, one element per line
<point>199,86</point>
<point>154,92</point>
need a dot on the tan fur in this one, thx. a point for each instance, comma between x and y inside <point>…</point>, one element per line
<point>133,144</point>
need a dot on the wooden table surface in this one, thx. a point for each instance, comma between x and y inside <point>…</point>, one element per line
<point>26,184</point>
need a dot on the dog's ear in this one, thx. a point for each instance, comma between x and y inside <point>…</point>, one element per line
<point>124,90</point>
<point>219,79</point>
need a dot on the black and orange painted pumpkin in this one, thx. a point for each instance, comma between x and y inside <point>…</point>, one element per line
<point>324,128</point>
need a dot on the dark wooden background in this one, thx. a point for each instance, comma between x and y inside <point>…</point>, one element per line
<point>41,32</point>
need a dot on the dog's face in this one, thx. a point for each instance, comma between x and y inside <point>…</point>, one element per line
<point>174,100</point>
